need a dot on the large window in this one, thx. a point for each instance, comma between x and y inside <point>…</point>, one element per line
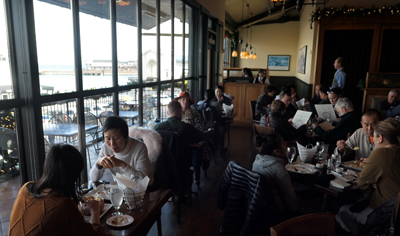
<point>178,40</point>
<point>149,41</point>
<point>127,43</point>
<point>95,30</point>
<point>67,35</point>
<point>55,47</point>
<point>165,40</point>
<point>6,91</point>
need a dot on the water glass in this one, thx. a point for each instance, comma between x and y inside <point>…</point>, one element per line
<point>116,197</point>
<point>338,160</point>
<point>320,149</point>
<point>290,154</point>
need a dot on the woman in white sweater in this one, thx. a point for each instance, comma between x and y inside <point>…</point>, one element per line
<point>120,153</point>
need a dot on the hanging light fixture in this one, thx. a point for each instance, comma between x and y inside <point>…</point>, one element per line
<point>234,53</point>
<point>241,32</point>
<point>255,55</point>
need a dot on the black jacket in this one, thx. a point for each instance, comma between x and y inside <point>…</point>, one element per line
<point>384,106</point>
<point>264,102</point>
<point>286,130</point>
<point>349,123</point>
<point>247,201</point>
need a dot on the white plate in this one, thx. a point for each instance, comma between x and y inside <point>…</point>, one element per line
<point>302,168</point>
<point>107,207</point>
<point>124,220</point>
<point>97,193</point>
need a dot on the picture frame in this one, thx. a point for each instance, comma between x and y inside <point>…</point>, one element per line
<point>301,60</point>
<point>278,62</point>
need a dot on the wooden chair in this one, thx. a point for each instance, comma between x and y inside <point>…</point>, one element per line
<point>255,120</point>
<point>306,225</point>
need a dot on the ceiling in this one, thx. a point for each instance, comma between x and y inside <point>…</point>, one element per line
<point>259,12</point>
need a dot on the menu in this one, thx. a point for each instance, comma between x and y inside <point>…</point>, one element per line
<point>301,118</point>
<point>325,111</point>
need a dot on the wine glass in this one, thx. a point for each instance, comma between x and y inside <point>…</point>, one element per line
<point>320,149</point>
<point>116,197</point>
<point>290,154</point>
<point>338,160</point>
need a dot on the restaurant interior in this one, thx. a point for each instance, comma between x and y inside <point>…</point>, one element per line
<point>68,65</point>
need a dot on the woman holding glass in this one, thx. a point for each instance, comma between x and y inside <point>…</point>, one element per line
<point>50,206</point>
<point>380,175</point>
<point>271,164</point>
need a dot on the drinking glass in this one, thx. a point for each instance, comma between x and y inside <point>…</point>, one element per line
<point>290,154</point>
<point>338,160</point>
<point>320,149</point>
<point>116,197</point>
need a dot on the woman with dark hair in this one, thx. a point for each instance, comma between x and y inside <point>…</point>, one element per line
<point>380,175</point>
<point>220,97</point>
<point>271,164</point>
<point>50,206</point>
<point>120,153</point>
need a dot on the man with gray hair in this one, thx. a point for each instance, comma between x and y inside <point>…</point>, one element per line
<point>390,106</point>
<point>350,122</point>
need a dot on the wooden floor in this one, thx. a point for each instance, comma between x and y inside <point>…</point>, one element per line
<point>203,217</point>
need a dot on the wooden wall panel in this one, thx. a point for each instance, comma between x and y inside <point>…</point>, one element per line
<point>244,93</point>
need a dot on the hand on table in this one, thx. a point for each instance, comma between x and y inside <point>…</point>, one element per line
<point>341,145</point>
<point>314,126</point>
<point>291,120</point>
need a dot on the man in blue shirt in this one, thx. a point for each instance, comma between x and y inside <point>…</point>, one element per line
<point>339,80</point>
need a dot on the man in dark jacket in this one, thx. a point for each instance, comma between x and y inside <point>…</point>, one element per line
<point>187,135</point>
<point>349,123</point>
<point>390,106</point>
<point>265,100</point>
<point>286,97</point>
<point>282,126</point>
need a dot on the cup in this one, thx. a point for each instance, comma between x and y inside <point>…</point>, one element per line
<point>339,170</point>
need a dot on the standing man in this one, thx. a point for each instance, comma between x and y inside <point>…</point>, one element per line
<point>339,80</point>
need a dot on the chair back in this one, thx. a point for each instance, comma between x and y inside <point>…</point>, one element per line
<point>8,141</point>
<point>61,119</point>
<point>170,138</point>
<point>306,225</point>
<point>253,111</point>
<point>247,200</point>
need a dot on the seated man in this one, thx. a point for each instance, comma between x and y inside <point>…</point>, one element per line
<point>120,153</point>
<point>286,97</point>
<point>210,100</point>
<point>187,135</point>
<point>390,106</point>
<point>323,94</point>
<point>362,138</point>
<point>271,164</point>
<point>349,123</point>
<point>265,100</point>
<point>278,121</point>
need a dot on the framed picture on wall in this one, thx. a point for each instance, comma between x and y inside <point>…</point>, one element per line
<point>301,60</point>
<point>278,62</point>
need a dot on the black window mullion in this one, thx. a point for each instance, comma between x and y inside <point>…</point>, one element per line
<point>172,47</point>
<point>79,85</point>
<point>140,57</point>
<point>158,22</point>
<point>183,45</point>
<point>113,19</point>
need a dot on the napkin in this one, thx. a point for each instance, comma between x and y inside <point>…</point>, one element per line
<point>339,184</point>
<point>126,182</point>
<point>306,154</point>
<point>227,109</point>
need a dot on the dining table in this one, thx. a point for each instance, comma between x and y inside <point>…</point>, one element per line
<point>320,181</point>
<point>63,130</point>
<point>143,218</point>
